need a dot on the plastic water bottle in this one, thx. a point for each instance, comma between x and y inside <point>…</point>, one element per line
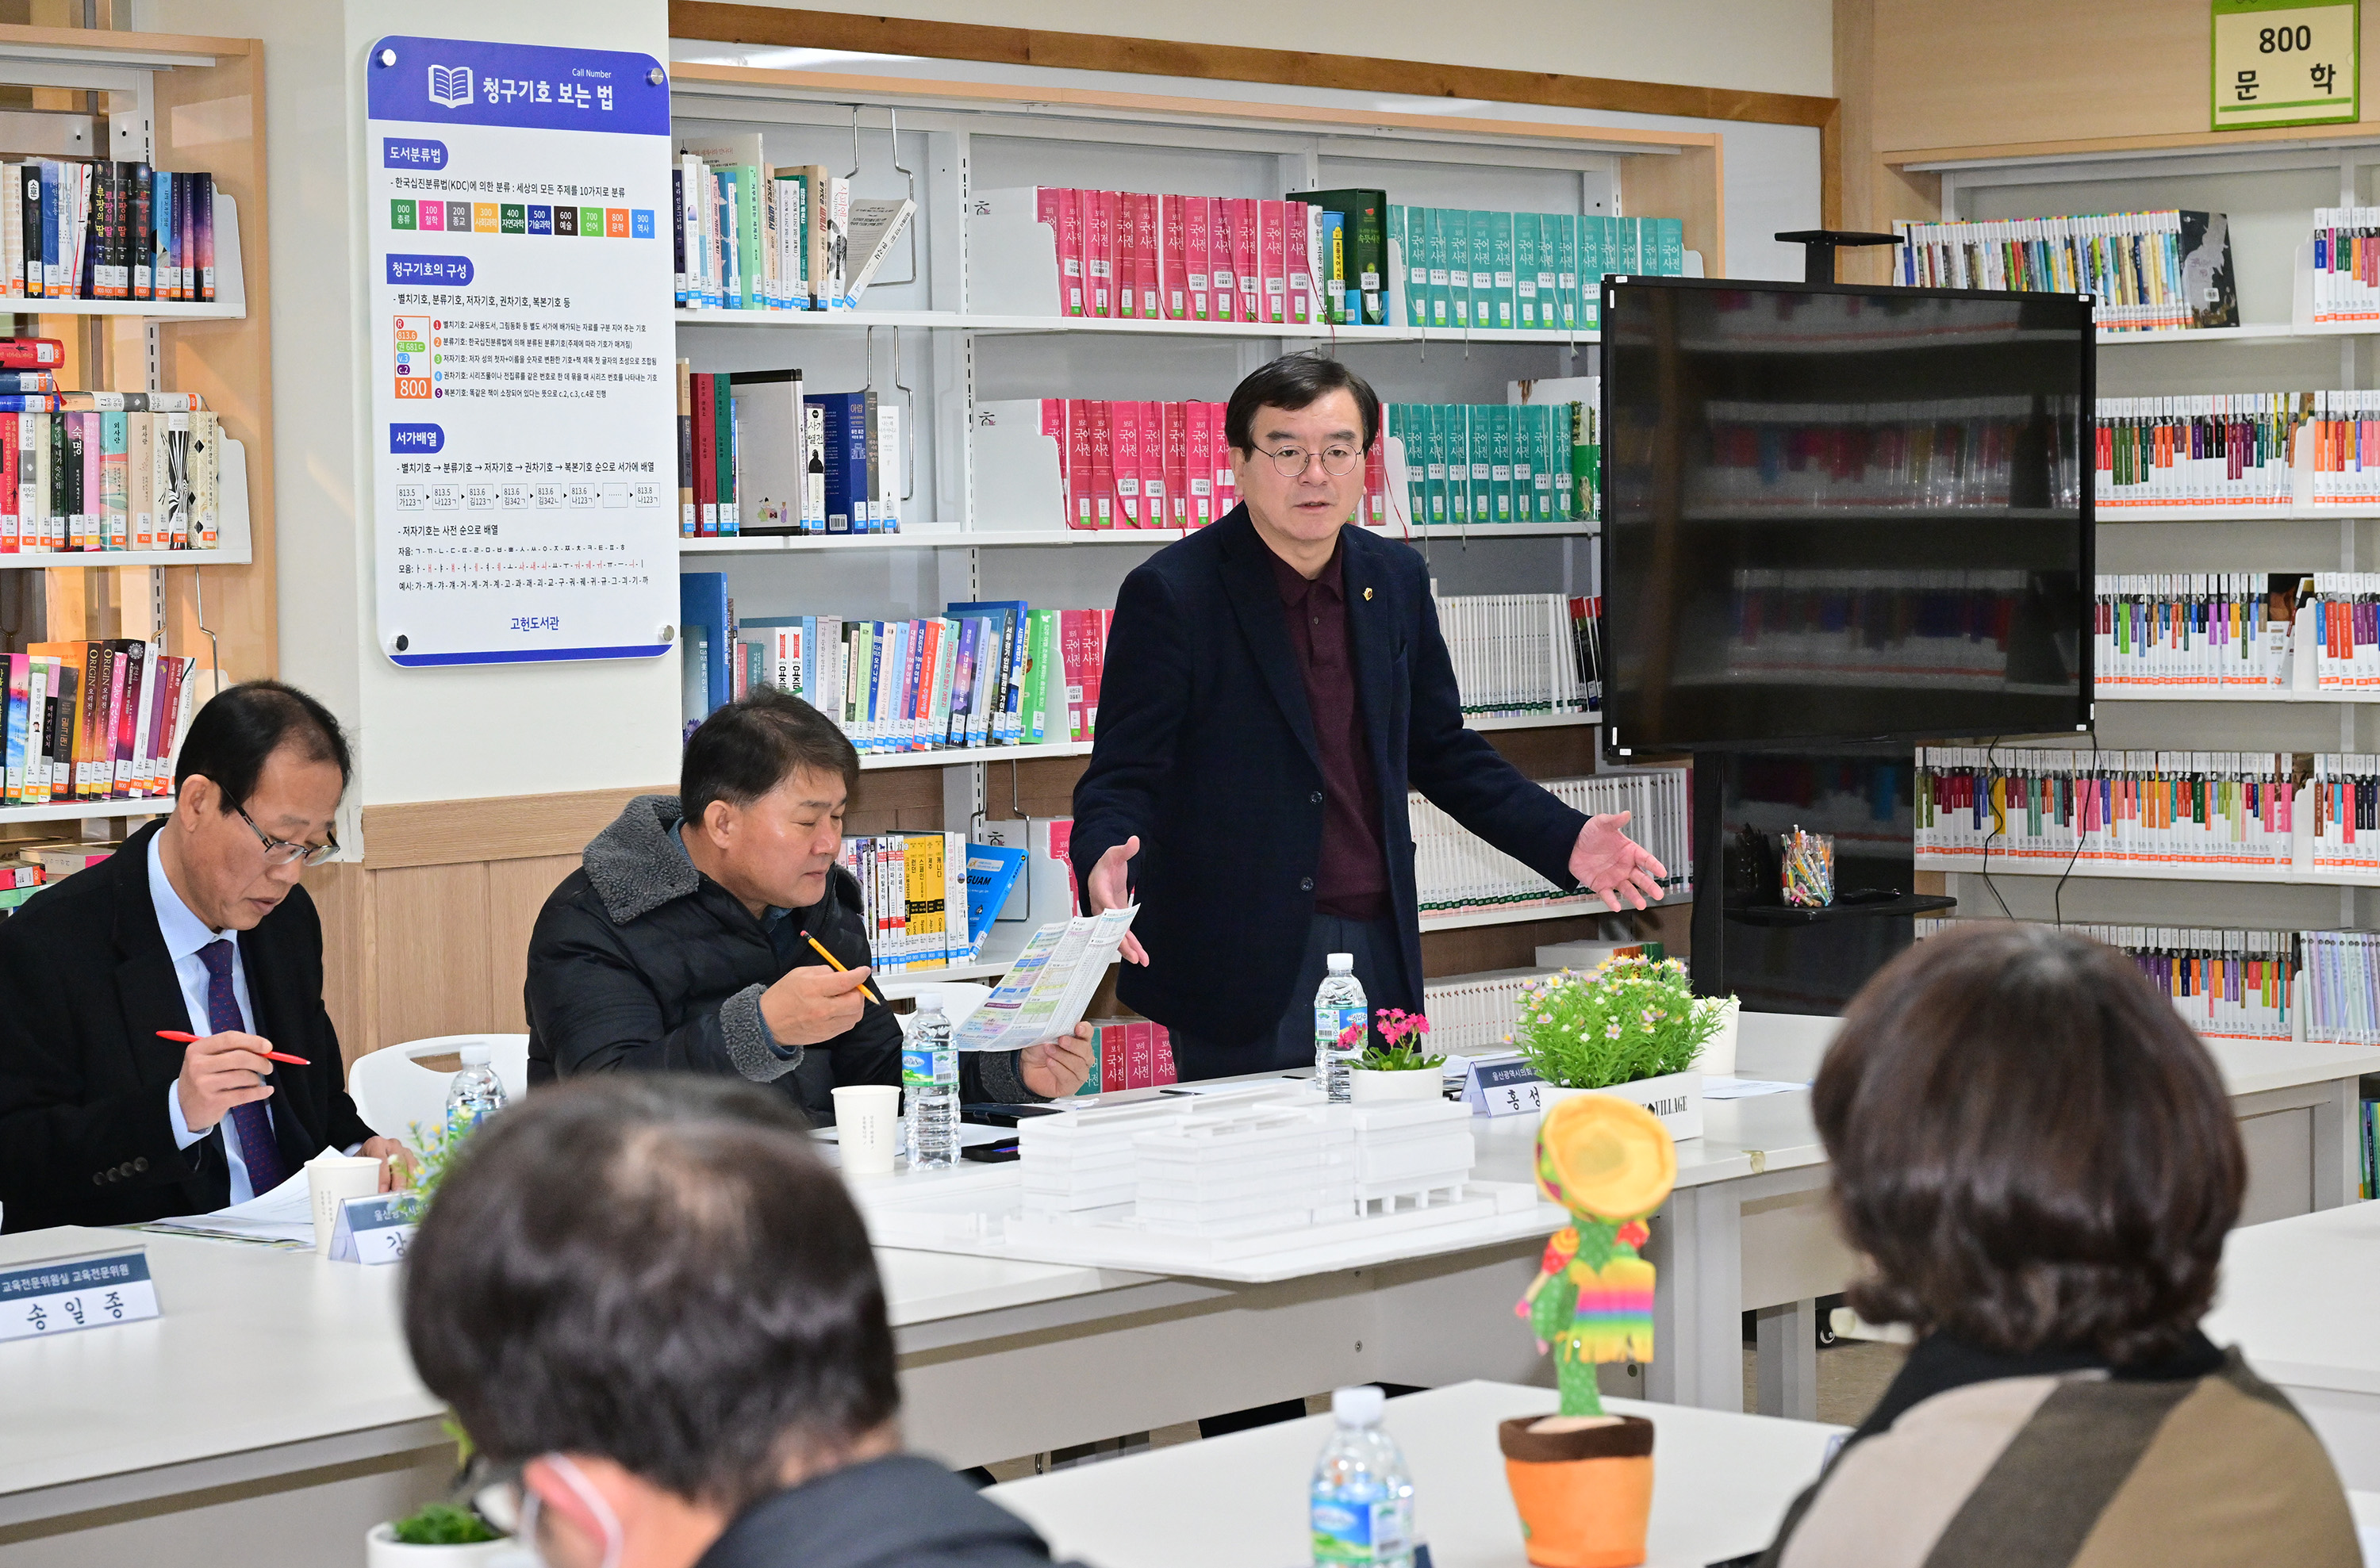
<point>1338,1007</point>
<point>1363,1494</point>
<point>929,1081</point>
<point>476,1094</point>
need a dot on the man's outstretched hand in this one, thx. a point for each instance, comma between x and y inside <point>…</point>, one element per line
<point>1111,888</point>
<point>1612,865</point>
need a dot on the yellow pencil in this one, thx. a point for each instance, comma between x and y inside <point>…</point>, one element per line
<point>838,963</point>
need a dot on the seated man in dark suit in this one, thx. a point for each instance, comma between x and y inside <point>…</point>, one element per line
<point>197,925</point>
<point>679,941</point>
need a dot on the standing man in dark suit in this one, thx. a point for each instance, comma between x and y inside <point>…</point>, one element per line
<point>1274,684</point>
<point>195,924</point>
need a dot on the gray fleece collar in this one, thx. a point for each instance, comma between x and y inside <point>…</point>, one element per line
<point>634,866</point>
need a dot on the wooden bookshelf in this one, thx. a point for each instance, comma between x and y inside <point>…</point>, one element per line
<point>198,106</point>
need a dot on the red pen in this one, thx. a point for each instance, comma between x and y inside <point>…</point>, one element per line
<point>179,1038</point>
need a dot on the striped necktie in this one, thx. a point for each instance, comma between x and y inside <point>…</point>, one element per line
<point>249,1123</point>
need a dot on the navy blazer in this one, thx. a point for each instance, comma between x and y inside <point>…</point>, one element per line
<point>85,984</point>
<point>1206,750</point>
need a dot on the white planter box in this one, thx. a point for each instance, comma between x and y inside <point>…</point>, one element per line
<point>1676,1098</point>
<point>1368,1088</point>
<point>382,1550</point>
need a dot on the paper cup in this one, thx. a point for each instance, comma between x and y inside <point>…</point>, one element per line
<point>331,1180</point>
<point>868,1126</point>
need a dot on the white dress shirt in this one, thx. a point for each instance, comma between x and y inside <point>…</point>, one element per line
<point>185,935</point>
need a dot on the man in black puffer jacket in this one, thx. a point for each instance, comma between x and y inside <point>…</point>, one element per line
<point>678,943</point>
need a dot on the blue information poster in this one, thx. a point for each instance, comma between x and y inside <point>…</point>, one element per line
<point>524,457</point>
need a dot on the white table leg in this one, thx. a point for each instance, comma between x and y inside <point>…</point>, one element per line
<point>1697,1252</point>
<point>2338,1174</point>
<point>1787,1340</point>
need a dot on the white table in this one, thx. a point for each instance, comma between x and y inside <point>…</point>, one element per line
<point>1748,1227</point>
<point>1720,1486</point>
<point>2300,1297</point>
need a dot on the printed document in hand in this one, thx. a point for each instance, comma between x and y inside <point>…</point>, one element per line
<point>1049,985</point>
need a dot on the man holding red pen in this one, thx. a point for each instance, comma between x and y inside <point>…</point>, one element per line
<point>164,1047</point>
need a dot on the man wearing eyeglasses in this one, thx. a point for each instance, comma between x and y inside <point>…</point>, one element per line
<point>1273,686</point>
<point>196,925</point>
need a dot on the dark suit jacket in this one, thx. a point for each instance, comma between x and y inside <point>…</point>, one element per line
<point>1206,750</point>
<point>85,983</point>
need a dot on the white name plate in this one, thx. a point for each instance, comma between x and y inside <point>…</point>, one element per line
<point>372,1230</point>
<point>1501,1086</point>
<point>66,1294</point>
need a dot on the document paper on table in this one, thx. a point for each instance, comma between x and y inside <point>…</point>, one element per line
<point>1051,985</point>
<point>285,1213</point>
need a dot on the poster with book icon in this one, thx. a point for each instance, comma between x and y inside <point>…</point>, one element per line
<point>524,451</point>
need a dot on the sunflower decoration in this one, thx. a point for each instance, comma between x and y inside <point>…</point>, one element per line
<point>1610,1164</point>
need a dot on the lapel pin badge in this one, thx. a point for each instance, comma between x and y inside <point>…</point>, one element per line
<point>1368,592</point>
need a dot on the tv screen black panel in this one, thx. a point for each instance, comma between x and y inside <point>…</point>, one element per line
<point>1834,513</point>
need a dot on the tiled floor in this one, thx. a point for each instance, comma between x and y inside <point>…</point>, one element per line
<point>1851,1377</point>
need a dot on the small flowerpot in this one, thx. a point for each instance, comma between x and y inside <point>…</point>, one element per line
<point>383,1549</point>
<point>1676,1098</point>
<point>1584,1495</point>
<point>1368,1087</point>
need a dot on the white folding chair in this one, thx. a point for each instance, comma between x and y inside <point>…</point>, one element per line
<point>393,1093</point>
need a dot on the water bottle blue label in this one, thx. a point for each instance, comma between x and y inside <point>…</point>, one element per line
<point>1365,1533</point>
<point>920,1068</point>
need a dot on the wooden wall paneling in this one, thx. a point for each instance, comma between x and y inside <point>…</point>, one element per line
<point>517,891</point>
<point>342,895</point>
<point>1044,786</point>
<point>1686,183</point>
<point>212,118</point>
<point>432,952</point>
<point>1151,57</point>
<point>1874,193</point>
<point>512,828</point>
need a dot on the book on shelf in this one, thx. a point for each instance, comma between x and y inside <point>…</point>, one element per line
<point>1045,889</point>
<point>2221,630</point>
<point>1128,1052</point>
<point>875,228</point>
<point>92,720</point>
<point>992,673</point>
<point>2345,286</point>
<point>1457,873</point>
<point>913,889</point>
<point>2171,813</point>
<point>104,229</point>
<point>1459,268</point>
<point>2150,271</point>
<point>751,235</point>
<point>85,471</point>
<point>2225,984</point>
<point>2228,449</point>
<point>1522,655</point>
<point>1472,464</point>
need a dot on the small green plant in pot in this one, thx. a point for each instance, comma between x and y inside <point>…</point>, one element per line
<point>1632,1026</point>
<point>1401,1067</point>
<point>438,1534</point>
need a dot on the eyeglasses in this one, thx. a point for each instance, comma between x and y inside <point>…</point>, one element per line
<point>1337,461</point>
<point>280,852</point>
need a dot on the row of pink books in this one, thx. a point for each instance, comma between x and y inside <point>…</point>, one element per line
<point>1142,464</point>
<point>1126,254</point>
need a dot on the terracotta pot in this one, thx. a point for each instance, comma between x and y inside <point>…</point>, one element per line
<point>1584,1497</point>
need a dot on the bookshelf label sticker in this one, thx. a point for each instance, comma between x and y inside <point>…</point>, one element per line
<point>523,388</point>
<point>2285,63</point>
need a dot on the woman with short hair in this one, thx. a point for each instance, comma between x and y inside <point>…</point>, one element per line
<point>2038,1161</point>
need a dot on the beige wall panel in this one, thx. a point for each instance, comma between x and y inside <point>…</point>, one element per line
<point>516,890</point>
<point>432,956</point>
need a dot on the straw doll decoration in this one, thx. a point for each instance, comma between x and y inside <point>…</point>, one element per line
<point>1583,1480</point>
